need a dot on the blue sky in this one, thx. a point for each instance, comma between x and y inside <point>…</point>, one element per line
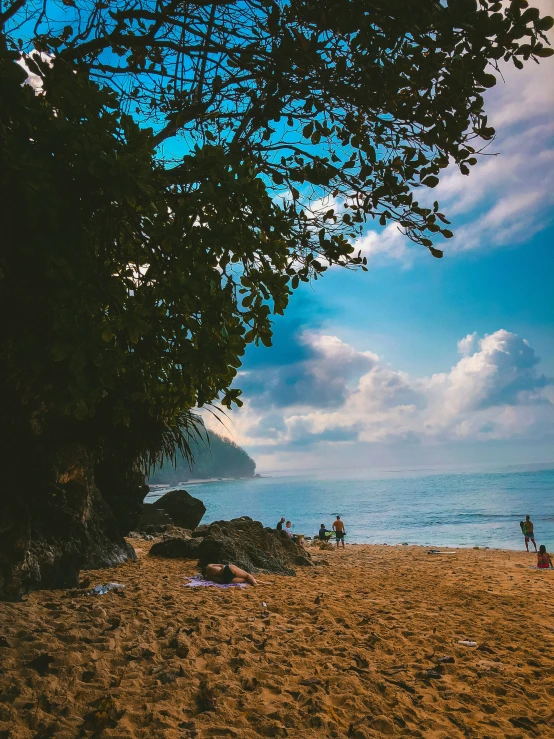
<point>424,361</point>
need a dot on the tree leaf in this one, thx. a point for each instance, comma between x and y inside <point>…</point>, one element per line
<point>430,181</point>
<point>487,80</point>
<point>543,53</point>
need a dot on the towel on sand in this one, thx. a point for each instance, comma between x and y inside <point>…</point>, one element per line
<point>198,582</point>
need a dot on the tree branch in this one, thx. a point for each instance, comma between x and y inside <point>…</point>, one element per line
<point>11,11</point>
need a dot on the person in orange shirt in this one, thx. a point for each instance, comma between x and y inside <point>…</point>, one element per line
<point>544,560</point>
<point>338,528</point>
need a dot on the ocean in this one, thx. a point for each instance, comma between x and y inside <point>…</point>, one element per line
<point>429,507</point>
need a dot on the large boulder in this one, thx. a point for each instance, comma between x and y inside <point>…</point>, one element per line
<point>153,515</point>
<point>183,509</point>
<point>248,544</point>
<point>50,531</point>
<point>176,548</point>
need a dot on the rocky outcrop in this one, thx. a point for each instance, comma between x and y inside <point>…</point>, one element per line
<point>243,542</point>
<point>183,509</point>
<point>176,548</point>
<point>248,544</point>
<point>153,515</point>
<point>49,533</point>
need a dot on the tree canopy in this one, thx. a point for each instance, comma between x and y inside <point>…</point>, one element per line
<point>175,179</point>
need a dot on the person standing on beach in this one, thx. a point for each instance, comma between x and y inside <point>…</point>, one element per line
<point>340,533</point>
<point>279,526</point>
<point>528,531</point>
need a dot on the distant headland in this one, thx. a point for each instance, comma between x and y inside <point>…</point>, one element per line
<point>215,457</point>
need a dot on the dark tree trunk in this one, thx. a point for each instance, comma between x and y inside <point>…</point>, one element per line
<point>55,521</point>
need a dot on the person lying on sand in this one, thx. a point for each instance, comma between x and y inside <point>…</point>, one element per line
<point>544,560</point>
<point>226,574</point>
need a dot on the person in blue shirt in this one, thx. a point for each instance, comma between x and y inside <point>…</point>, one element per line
<point>324,533</point>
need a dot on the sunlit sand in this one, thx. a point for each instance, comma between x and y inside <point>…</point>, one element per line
<point>364,644</point>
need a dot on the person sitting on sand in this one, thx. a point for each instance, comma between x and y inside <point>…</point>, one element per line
<point>324,533</point>
<point>528,533</point>
<point>288,529</point>
<point>340,533</point>
<point>227,574</point>
<point>279,526</point>
<point>544,560</point>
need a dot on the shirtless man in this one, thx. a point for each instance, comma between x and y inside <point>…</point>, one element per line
<point>338,528</point>
<point>528,530</point>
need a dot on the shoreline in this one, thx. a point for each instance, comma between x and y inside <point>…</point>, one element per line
<point>198,481</point>
<point>485,513</point>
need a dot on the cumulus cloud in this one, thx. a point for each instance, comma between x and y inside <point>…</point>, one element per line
<point>467,344</point>
<point>339,395</point>
<point>321,378</point>
<point>501,373</point>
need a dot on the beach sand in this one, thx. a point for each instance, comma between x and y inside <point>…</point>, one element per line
<point>340,650</point>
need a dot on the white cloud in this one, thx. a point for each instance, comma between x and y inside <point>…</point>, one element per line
<point>509,194</point>
<point>508,197</point>
<point>389,242</point>
<point>34,80</point>
<point>467,345</point>
<point>493,392</point>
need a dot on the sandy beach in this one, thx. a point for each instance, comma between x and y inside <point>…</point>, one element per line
<point>351,647</point>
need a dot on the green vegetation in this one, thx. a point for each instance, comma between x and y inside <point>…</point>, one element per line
<point>218,457</point>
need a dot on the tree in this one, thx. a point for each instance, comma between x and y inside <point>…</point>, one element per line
<point>175,179</point>
<point>363,103</point>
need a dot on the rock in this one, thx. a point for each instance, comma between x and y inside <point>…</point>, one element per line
<point>177,531</point>
<point>55,524</point>
<point>184,510</point>
<point>153,516</point>
<point>200,530</point>
<point>176,548</point>
<point>151,528</point>
<point>247,544</point>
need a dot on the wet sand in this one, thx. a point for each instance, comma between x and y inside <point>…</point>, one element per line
<point>341,650</point>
